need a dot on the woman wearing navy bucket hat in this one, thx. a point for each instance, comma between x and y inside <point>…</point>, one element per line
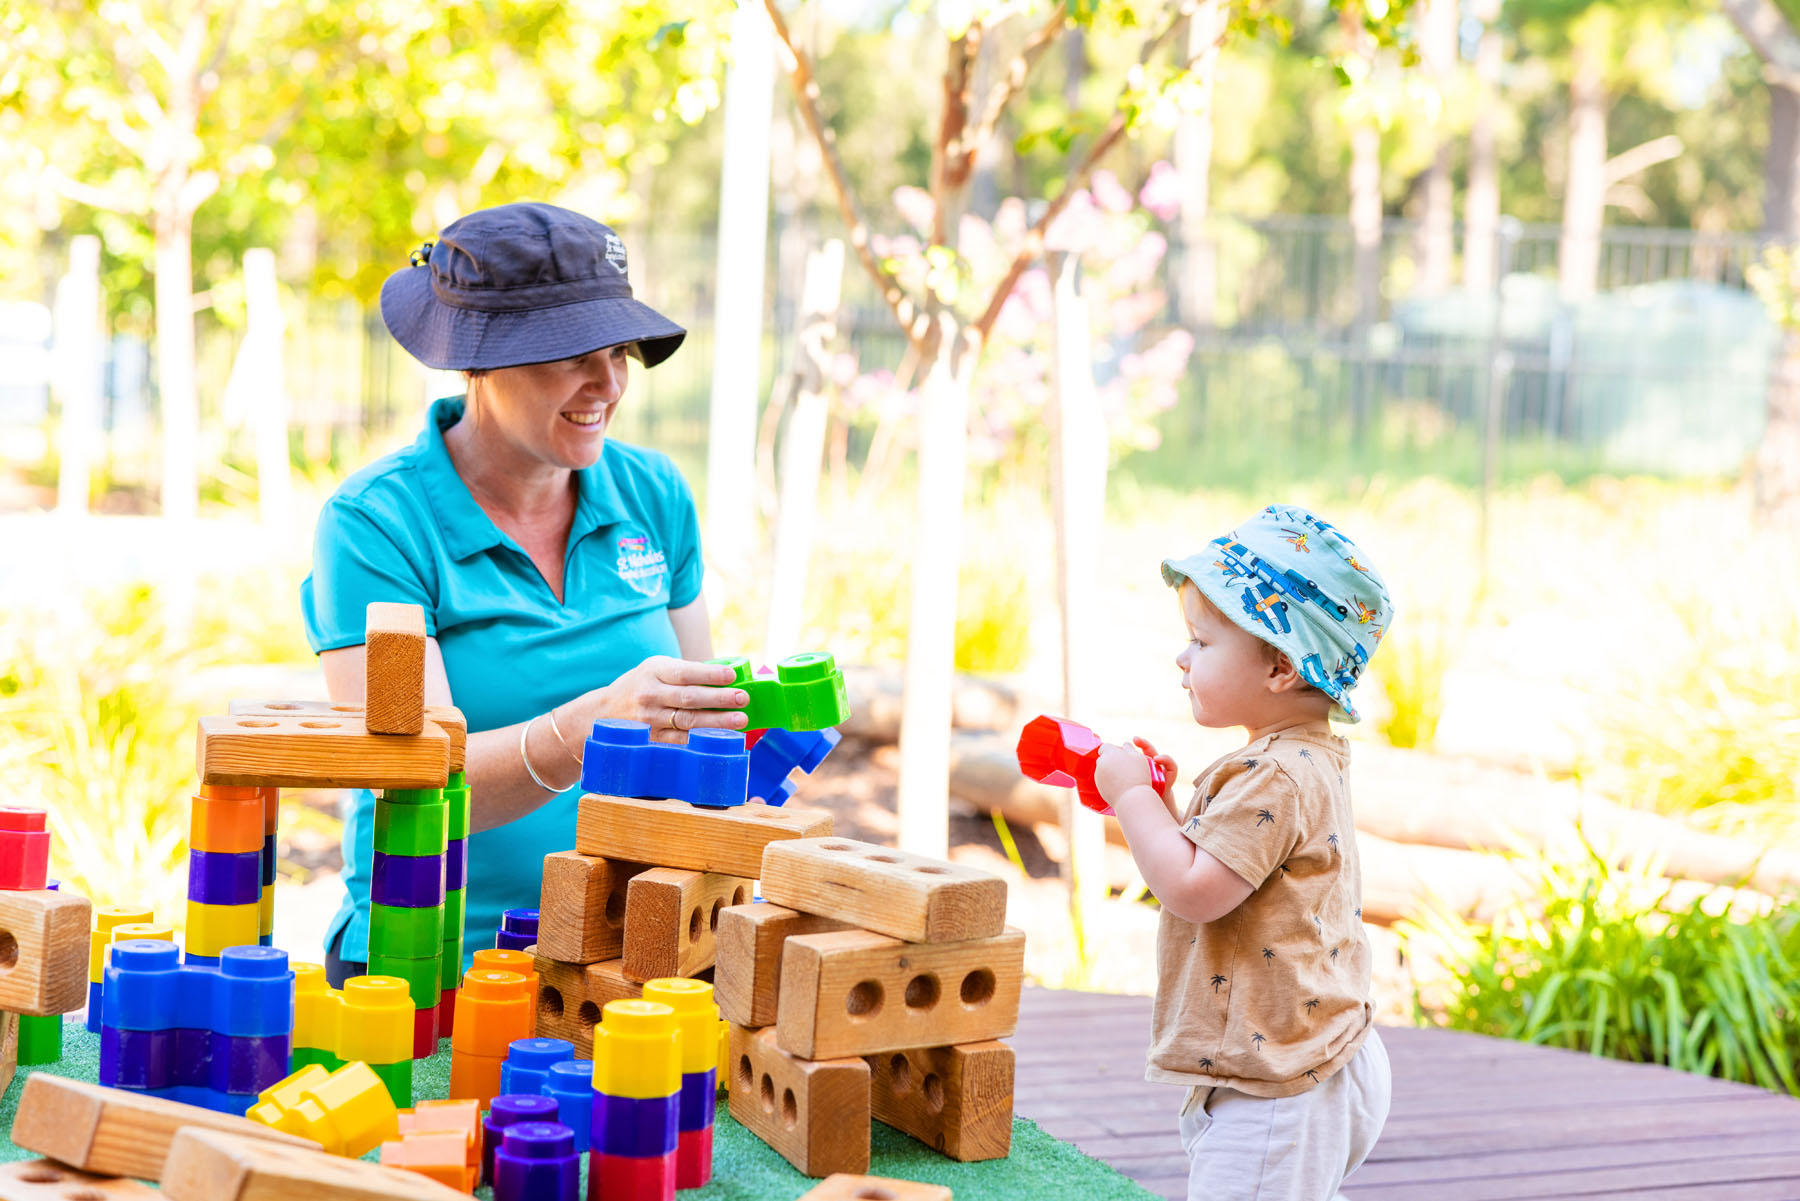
<point>559,569</point>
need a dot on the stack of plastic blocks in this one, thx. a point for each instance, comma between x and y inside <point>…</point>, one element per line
<point>571,1086</point>
<point>266,902</point>
<point>493,959</point>
<point>494,1010</point>
<point>225,845</point>
<point>105,922</point>
<point>509,1110</point>
<point>697,1017</point>
<point>315,1019</point>
<point>442,1140</point>
<point>537,1161</point>
<point>456,876</point>
<point>347,1112</point>
<point>213,1037</point>
<point>518,930</point>
<point>25,867</point>
<point>637,1103</point>
<point>406,894</point>
<point>375,1026</point>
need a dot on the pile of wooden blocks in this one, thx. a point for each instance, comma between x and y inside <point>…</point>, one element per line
<point>870,983</point>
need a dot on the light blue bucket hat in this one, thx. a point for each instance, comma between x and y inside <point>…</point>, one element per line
<point>1300,584</point>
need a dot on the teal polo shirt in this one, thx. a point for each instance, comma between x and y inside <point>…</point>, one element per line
<point>405,528</point>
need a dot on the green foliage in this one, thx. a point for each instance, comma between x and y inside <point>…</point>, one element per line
<point>1603,960</point>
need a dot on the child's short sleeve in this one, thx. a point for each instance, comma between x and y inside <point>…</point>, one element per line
<point>1249,817</point>
<point>686,570</point>
<point>355,561</point>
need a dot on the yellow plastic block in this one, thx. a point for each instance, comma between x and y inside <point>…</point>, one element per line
<point>695,1014</point>
<point>375,1020</point>
<point>212,928</point>
<point>347,1112</point>
<point>637,1050</point>
<point>265,923</point>
<point>105,921</point>
<point>316,1006</point>
<point>724,1053</point>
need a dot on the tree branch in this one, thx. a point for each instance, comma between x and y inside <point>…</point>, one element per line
<point>1627,163</point>
<point>1770,35</point>
<point>133,20</point>
<point>947,172</point>
<point>806,99</point>
<point>88,194</point>
<point>219,51</point>
<point>1003,93</point>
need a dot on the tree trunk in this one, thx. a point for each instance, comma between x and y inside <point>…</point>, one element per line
<point>1777,487</point>
<point>1781,188</point>
<point>1481,206</point>
<point>1197,286</point>
<point>1437,230</point>
<point>1584,191</point>
<point>76,357</point>
<point>1365,220</point>
<point>174,266</point>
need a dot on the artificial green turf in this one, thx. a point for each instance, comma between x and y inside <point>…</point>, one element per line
<point>744,1168</point>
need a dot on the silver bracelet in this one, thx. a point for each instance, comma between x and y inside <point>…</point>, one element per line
<point>565,746</point>
<point>526,759</point>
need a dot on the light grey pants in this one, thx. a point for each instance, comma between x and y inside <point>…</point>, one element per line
<point>1300,1148</point>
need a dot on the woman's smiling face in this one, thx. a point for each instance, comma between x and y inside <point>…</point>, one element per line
<point>558,412</point>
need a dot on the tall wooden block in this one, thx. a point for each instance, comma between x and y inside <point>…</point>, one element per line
<point>677,834</point>
<point>958,1099</point>
<point>299,750</point>
<point>886,890</point>
<point>9,1049</point>
<point>394,668</point>
<point>672,920</point>
<point>747,975</point>
<point>815,1113</point>
<point>205,1165</point>
<point>43,1180</point>
<point>115,1131</point>
<point>43,951</point>
<point>571,996</point>
<point>581,917</point>
<point>844,1187</point>
<point>858,993</point>
<point>447,718</point>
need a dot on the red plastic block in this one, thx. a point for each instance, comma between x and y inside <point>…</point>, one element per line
<point>24,849</point>
<point>425,1033</point>
<point>1062,753</point>
<point>628,1178</point>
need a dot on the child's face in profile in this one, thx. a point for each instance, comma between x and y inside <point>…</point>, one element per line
<point>1225,670</point>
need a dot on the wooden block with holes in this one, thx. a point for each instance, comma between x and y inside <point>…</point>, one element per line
<point>672,918</point>
<point>677,834</point>
<point>447,718</point>
<point>394,668</point>
<point>814,1113</point>
<point>300,750</point>
<point>571,995</point>
<point>581,916</point>
<point>885,890</point>
<point>958,1100</point>
<point>43,952</point>
<point>44,1180</point>
<point>206,1165</point>
<point>854,992</point>
<point>844,1187</point>
<point>116,1131</point>
<point>747,971</point>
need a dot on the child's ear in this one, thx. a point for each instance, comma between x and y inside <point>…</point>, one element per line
<point>1283,676</point>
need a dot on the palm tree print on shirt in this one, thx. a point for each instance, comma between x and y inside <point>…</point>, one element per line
<point>1216,982</point>
<point>1264,817</point>
<point>1205,1064</point>
<point>1251,762</point>
<point>1331,840</point>
<point>1312,1004</point>
<point>1259,1040</point>
<point>1305,754</point>
<point>1268,954</point>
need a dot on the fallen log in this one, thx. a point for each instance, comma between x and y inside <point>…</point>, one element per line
<point>877,695</point>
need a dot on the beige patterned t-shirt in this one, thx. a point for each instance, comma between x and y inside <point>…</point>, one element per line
<point>1274,996</point>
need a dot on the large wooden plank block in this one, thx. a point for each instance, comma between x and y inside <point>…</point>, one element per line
<point>448,718</point>
<point>883,889</point>
<point>858,993</point>
<point>844,1187</point>
<point>672,920</point>
<point>317,751</point>
<point>394,667</point>
<point>207,1165</point>
<point>956,1099</point>
<point>115,1131</point>
<point>43,951</point>
<point>677,834</point>
<point>581,916</point>
<point>43,1180</point>
<point>747,974</point>
<point>571,996</point>
<point>814,1113</point>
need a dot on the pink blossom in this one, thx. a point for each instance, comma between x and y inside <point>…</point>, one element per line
<point>1161,193</point>
<point>1109,193</point>
<point>916,208</point>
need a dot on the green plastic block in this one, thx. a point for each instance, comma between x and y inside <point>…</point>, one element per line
<point>40,1040</point>
<point>407,829</point>
<point>305,1056</point>
<point>450,964</point>
<point>456,795</point>
<point>405,933</point>
<point>807,693</point>
<point>412,796</point>
<point>399,1080</point>
<point>420,974</point>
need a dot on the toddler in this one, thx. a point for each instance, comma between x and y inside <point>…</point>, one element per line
<point>1262,1000</point>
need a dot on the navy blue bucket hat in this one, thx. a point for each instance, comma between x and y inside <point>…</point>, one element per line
<point>519,284</point>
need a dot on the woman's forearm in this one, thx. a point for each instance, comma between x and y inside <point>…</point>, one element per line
<point>500,788</point>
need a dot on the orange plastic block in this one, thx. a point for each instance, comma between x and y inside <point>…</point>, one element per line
<point>475,1077</point>
<point>494,959</point>
<point>493,1009</point>
<point>226,820</point>
<point>436,1154</point>
<point>458,1115</point>
<point>271,798</point>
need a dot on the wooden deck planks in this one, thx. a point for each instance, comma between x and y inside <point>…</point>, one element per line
<point>1473,1117</point>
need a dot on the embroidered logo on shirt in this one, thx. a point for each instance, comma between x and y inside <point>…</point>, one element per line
<point>641,565</point>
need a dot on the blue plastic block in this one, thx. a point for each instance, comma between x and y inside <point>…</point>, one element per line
<point>409,881</point>
<point>93,1007</point>
<point>237,1104</point>
<point>510,1110</point>
<point>220,878</point>
<point>537,1161</point>
<point>268,859</point>
<point>699,1099</point>
<point>778,752</point>
<point>193,1056</point>
<point>528,1063</point>
<point>265,940</point>
<point>253,993</point>
<point>713,769</point>
<point>636,1126</point>
<point>456,864</point>
<point>249,1065</point>
<point>143,981</point>
<point>142,1059</point>
<point>572,1084</point>
<point>191,960</point>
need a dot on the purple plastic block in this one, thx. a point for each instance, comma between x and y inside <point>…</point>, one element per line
<point>268,860</point>
<point>712,769</point>
<point>509,1110</point>
<point>518,929</point>
<point>512,942</point>
<point>699,1097</point>
<point>456,864</point>
<point>142,1059</point>
<point>537,1161</point>
<point>193,1057</point>
<point>221,878</point>
<point>638,1127</point>
<point>409,881</point>
<point>248,1065</point>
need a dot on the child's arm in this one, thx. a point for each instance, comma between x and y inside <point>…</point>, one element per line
<point>1188,882</point>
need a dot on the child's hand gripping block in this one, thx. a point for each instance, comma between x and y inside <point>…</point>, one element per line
<point>713,769</point>
<point>1062,753</point>
<point>775,755</point>
<point>805,692</point>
